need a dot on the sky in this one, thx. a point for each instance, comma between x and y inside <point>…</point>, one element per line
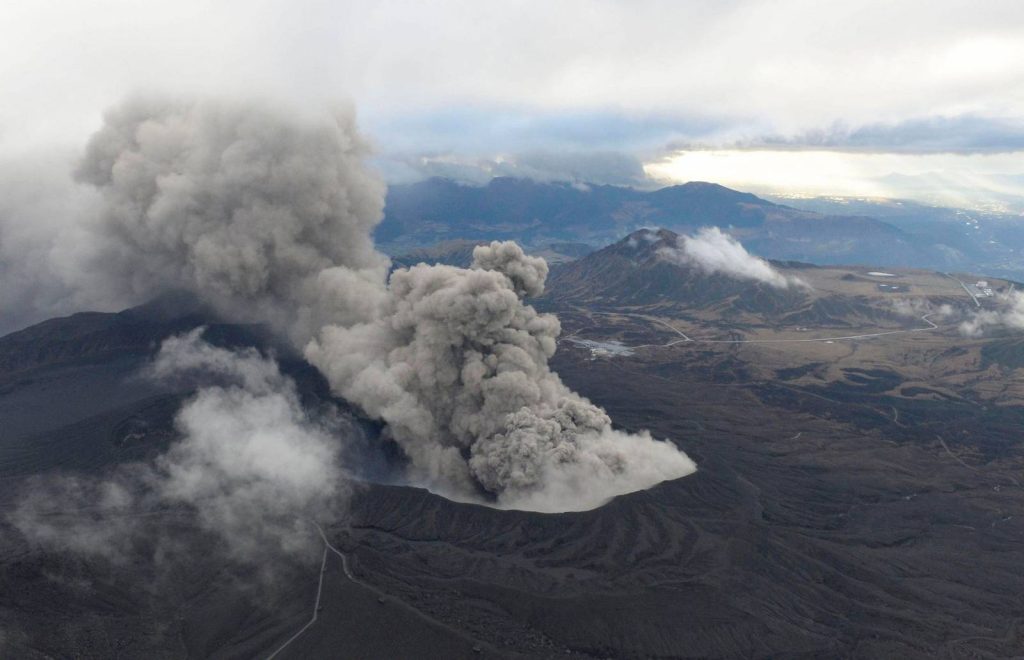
<point>919,99</point>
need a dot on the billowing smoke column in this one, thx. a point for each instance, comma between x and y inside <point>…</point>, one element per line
<point>268,217</point>
<point>457,365</point>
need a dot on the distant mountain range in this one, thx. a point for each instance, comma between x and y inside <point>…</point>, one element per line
<point>991,242</point>
<point>540,214</point>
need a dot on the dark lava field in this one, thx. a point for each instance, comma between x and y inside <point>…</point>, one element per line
<point>827,518</point>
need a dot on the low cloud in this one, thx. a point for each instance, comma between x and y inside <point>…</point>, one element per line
<point>580,167</point>
<point>89,516</point>
<point>250,463</point>
<point>255,465</point>
<point>714,251</point>
<point>918,307</point>
<point>1009,313</point>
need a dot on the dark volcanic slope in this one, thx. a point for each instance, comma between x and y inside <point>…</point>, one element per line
<point>70,388</point>
<point>797,536</point>
<point>814,527</point>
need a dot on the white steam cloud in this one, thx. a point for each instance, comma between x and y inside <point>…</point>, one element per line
<point>250,462</point>
<point>1009,314</point>
<point>918,307</point>
<point>267,216</point>
<point>714,251</point>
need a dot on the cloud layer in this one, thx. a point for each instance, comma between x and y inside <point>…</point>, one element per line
<point>761,65</point>
<point>43,242</point>
<point>630,78</point>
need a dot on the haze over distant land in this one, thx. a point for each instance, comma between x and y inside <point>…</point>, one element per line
<point>766,96</point>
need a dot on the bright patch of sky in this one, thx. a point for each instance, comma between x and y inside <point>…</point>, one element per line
<point>958,180</point>
<point>868,96</point>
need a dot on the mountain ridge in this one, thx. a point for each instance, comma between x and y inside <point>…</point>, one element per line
<point>435,210</point>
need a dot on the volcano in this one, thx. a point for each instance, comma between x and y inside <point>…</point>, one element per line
<point>810,528</point>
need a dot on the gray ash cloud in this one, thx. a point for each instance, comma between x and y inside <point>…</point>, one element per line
<point>266,214</point>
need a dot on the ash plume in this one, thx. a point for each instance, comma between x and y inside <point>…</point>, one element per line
<point>457,366</point>
<point>715,251</point>
<point>267,216</point>
<point>41,246</point>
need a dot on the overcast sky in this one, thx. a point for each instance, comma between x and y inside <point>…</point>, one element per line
<point>864,98</point>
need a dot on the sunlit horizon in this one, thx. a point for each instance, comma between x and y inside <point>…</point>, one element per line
<point>977,181</point>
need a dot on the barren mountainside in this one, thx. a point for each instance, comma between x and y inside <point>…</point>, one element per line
<point>826,518</point>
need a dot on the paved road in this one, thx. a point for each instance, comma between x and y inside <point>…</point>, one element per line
<point>954,456</point>
<point>931,326</point>
<point>685,338</point>
<point>672,328</point>
<point>328,547</point>
<point>320,588</point>
<point>316,604</point>
<point>973,297</point>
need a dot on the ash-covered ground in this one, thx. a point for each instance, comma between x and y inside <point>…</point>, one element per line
<point>828,517</point>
